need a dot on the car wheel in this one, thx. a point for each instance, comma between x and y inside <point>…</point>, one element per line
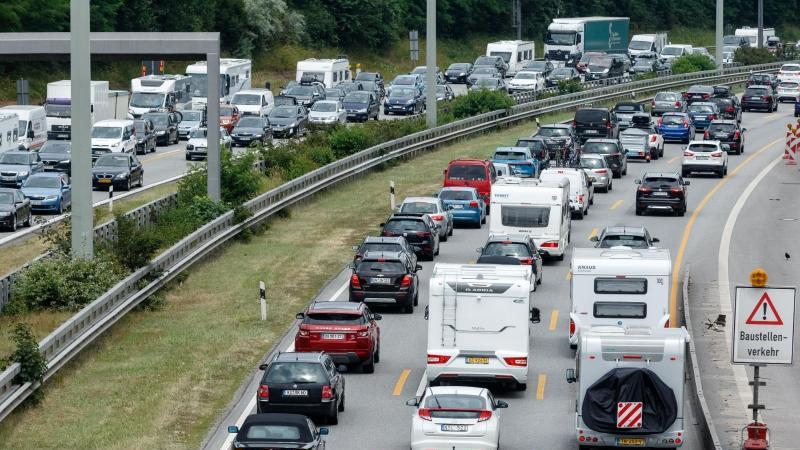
<point>128,185</point>
<point>591,200</point>
<point>560,257</point>
<point>409,308</point>
<point>539,280</point>
<point>452,227</point>
<point>27,221</point>
<point>578,215</point>
<point>61,207</point>
<point>521,386</point>
<point>378,353</point>
<point>341,404</point>
<point>141,181</point>
<point>333,419</point>
<point>14,223</point>
<point>443,237</point>
<point>638,211</point>
<point>367,367</point>
<point>610,186</point>
<point>682,211</point>
<point>684,173</point>
<point>188,158</point>
<point>436,253</point>
<point>483,221</point>
<point>721,173</point>
<point>416,299</point>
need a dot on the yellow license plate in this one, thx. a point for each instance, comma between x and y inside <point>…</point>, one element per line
<point>631,441</point>
<point>473,360</point>
<point>104,181</point>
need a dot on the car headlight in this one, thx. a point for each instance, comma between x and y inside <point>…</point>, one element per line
<point>51,197</point>
<point>23,173</point>
<point>160,133</point>
<point>189,147</point>
<point>605,70</point>
<point>294,124</point>
<point>461,74</point>
<point>409,102</point>
<point>4,213</point>
<point>64,161</point>
<point>122,175</point>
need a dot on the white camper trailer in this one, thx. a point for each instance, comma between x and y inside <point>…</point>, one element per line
<point>514,53</point>
<point>479,323</point>
<point>630,388</point>
<point>620,287</point>
<point>329,72</point>
<point>32,125</point>
<point>9,132</point>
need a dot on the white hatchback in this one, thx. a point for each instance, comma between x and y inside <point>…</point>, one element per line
<point>705,156</point>
<point>789,72</point>
<point>788,90</point>
<point>456,417</point>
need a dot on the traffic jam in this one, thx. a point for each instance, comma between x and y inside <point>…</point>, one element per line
<point>517,207</point>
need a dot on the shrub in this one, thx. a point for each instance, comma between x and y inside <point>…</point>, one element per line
<point>749,56</point>
<point>238,179</point>
<point>694,62</point>
<point>569,86</point>
<point>479,102</point>
<point>134,245</point>
<point>346,141</point>
<point>33,364</point>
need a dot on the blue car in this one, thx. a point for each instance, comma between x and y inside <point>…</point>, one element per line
<point>48,191</point>
<point>520,159</point>
<point>467,205</point>
<point>702,114</point>
<point>797,107</point>
<point>676,127</point>
<point>16,167</point>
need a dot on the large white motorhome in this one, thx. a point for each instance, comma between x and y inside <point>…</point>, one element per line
<point>751,34</point>
<point>538,209</point>
<point>329,72</point>
<point>620,287</point>
<point>515,54</point>
<point>234,76</point>
<point>32,125</point>
<point>154,92</point>
<point>630,388</point>
<point>479,323</point>
<point>58,107</point>
<point>646,43</point>
<point>9,132</point>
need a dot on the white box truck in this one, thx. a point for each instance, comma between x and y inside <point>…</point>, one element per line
<point>158,92</point>
<point>620,287</point>
<point>58,107</point>
<point>479,324</point>
<point>538,209</point>
<point>630,388</point>
<point>646,44</point>
<point>514,53</point>
<point>329,72</point>
<point>32,125</point>
<point>9,132</point>
<point>567,39</point>
<point>751,34</point>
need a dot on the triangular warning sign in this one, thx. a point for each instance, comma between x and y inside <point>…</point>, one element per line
<point>764,313</point>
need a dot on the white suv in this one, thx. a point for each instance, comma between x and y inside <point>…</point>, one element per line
<point>705,156</point>
<point>113,136</point>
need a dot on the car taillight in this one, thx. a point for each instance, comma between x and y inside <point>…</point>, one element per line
<point>438,359</point>
<point>768,98</point>
<point>437,217</point>
<point>550,244</point>
<point>263,391</point>
<point>729,109</point>
<point>688,153</point>
<point>601,171</point>
<point>574,124</point>
<point>302,332</point>
<point>327,393</point>
<point>737,135</point>
<point>473,204</point>
<point>406,281</point>
<point>685,124</point>
<point>425,414</point>
<point>706,135</point>
<point>676,190</point>
<point>677,103</point>
<point>653,138</point>
<point>644,190</point>
<point>712,117</point>
<point>580,198</point>
<point>516,361</point>
<point>653,103</point>
<point>484,416</point>
<point>355,282</point>
<point>660,122</point>
<point>571,327</point>
<point>423,234</point>
<point>666,324</point>
<point>363,333</point>
<point>608,125</point>
<point>716,154</point>
<point>526,261</point>
<point>685,95</point>
<point>706,96</point>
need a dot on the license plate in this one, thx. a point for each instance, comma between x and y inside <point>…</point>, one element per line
<point>701,158</point>
<point>104,181</point>
<point>672,126</point>
<point>245,138</point>
<point>36,202</point>
<point>660,194</point>
<point>591,131</point>
<point>11,178</point>
<point>721,135</point>
<point>477,360</point>
<point>62,136</point>
<point>699,117</point>
<point>460,428</point>
<point>380,281</point>
<point>333,336</point>
<point>378,300</point>
<point>48,167</point>
<point>631,441</point>
<point>295,392</point>
<point>458,206</point>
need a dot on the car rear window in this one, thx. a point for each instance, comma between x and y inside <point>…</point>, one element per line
<point>525,216</point>
<point>701,108</point>
<point>756,91</point>
<point>276,433</point>
<point>510,156</point>
<point>722,127</point>
<point>553,132</point>
<point>620,310</point>
<point>623,239</point>
<point>615,285</point>
<point>328,318</point>
<point>666,97</point>
<point>418,207</point>
<point>703,148</point>
<point>295,372</point>
<point>400,225</point>
<point>592,163</point>
<point>627,108</point>
<point>506,249</point>
<point>381,267</point>
<point>381,247</point>
<point>591,115</point>
<point>788,85</point>
<point>466,172</point>
<point>603,148</point>
<point>455,406</point>
<point>457,195</point>
<point>672,120</point>
<point>790,68</point>
<point>660,182</point>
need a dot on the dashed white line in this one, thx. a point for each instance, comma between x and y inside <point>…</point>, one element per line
<point>336,294</point>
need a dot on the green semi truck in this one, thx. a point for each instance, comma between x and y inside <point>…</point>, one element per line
<point>567,39</point>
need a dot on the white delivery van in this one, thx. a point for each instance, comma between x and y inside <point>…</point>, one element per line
<point>537,209</point>
<point>630,388</point>
<point>329,72</point>
<point>646,43</point>
<point>672,51</point>
<point>113,136</point>
<point>580,194</point>
<point>58,107</point>
<point>234,76</point>
<point>254,102</point>
<point>479,319</point>
<point>751,34</point>
<point>159,92</point>
<point>9,132</point>
<point>620,287</point>
<point>515,54</point>
<point>32,125</point>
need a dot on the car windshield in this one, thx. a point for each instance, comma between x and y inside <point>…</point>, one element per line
<point>147,99</point>
<point>703,148</point>
<point>484,71</point>
<point>627,108</point>
<point>419,207</point>
<point>556,38</point>
<point>553,132</point>
<point>458,66</point>
<point>381,247</point>
<point>43,182</point>
<point>672,51</point>
<point>526,76</point>
<point>53,110</point>
<point>525,216</point>
<point>356,97</point>
<point>6,198</point>
<point>603,148</point>
<point>109,160</point>
<point>468,172</point>
<point>385,267</point>
<point>55,147</point>
<point>623,239</point>
<point>486,82</point>
<point>300,90</point>
<point>756,91</point>
<point>139,127</point>
<point>295,373</point>
<point>191,116</point>
<point>591,115</point>
<point>199,133</point>
<point>640,45</point>
<point>226,111</point>
<point>15,158</point>
<point>456,195</point>
<point>596,64</point>
<point>336,93</point>
<point>250,122</point>
<point>324,107</point>
<point>700,108</point>
<point>561,72</point>
<point>159,120</point>
<point>283,112</point>
<point>517,250</point>
<point>401,225</point>
<point>454,406</point>
<point>666,97</point>
<point>536,66</point>
<point>722,127</point>
<point>510,156</point>
<point>485,61</point>
<point>788,85</point>
<point>404,81</point>
<point>106,132</point>
<point>672,119</point>
<point>246,99</point>
<point>365,76</point>
<point>592,163</point>
<point>330,318</point>
<point>660,182</point>
<point>275,433</point>
<point>643,63</point>
<point>401,92</point>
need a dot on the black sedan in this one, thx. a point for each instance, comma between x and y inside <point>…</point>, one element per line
<point>562,74</point>
<point>404,100</point>
<point>165,126</point>
<point>251,129</point>
<point>56,156</point>
<point>15,209</point>
<point>729,107</point>
<point>145,136</point>
<point>278,432</point>
<point>388,278</point>
<point>122,170</point>
<point>759,97</point>
<point>728,132</point>
<point>288,121</point>
<point>661,191</point>
<point>458,73</point>
<point>302,383</point>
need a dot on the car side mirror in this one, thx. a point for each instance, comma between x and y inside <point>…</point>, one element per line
<point>300,316</point>
<point>637,181</point>
<point>355,247</point>
<point>744,129</point>
<point>30,134</point>
<point>536,315</point>
<point>501,404</point>
<point>412,402</point>
<point>377,317</point>
<point>233,429</point>
<point>686,182</point>
<point>570,375</point>
<point>655,240</point>
<point>263,367</point>
<point>382,224</point>
<point>479,249</point>
<point>323,431</point>
<point>594,238</point>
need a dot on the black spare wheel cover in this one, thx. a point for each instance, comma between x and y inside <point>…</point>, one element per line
<point>599,407</point>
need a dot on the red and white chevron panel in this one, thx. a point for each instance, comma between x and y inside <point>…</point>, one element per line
<point>629,415</point>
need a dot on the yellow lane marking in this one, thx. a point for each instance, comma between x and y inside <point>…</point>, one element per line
<point>553,320</point>
<point>569,275</point>
<point>593,233</point>
<point>616,204</point>
<point>160,156</point>
<point>673,297</point>
<point>540,387</point>
<point>398,387</point>
<point>672,160</point>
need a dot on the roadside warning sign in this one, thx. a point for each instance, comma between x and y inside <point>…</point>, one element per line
<point>629,415</point>
<point>763,325</point>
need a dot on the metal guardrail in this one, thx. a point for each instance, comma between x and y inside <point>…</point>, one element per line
<point>86,325</point>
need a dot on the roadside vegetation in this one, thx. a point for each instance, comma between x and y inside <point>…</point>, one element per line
<point>694,62</point>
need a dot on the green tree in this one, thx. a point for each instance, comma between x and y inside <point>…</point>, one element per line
<point>749,56</point>
<point>692,63</point>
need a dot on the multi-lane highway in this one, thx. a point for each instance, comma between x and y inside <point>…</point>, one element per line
<point>543,416</point>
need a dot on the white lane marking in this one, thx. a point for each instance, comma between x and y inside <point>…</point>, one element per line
<point>251,406</point>
<point>339,291</point>
<point>423,383</point>
<point>739,373</point>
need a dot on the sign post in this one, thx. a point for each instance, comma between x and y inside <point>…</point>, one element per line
<point>262,294</point>
<point>392,205</point>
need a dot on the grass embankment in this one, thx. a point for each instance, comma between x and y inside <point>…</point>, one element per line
<point>160,378</point>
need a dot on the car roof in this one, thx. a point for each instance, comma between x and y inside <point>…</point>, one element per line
<point>699,87</point>
<point>47,174</point>
<point>383,240</point>
<point>508,237</point>
<point>637,230</point>
<point>661,174</point>
<point>459,188</point>
<point>627,104</point>
<point>336,306</point>
<point>275,418</point>
<point>9,190</point>
<point>473,161</point>
<point>704,141</point>
<point>763,86</point>
<point>592,156</point>
<point>421,199</point>
<point>725,121</point>
<point>114,122</point>
<point>407,216</point>
<point>465,390</point>
<point>602,140</point>
<point>703,104</point>
<point>298,357</point>
<point>16,152</point>
<point>556,125</point>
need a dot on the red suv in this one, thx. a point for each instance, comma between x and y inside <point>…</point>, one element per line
<point>475,173</point>
<point>347,331</point>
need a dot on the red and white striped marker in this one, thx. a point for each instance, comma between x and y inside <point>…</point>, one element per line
<point>792,155</point>
<point>629,415</point>
<point>789,135</point>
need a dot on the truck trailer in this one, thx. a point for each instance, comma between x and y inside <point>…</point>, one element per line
<point>567,40</point>
<point>58,107</point>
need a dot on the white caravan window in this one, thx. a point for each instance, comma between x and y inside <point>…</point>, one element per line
<point>620,310</point>
<point>620,286</point>
<point>525,216</point>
